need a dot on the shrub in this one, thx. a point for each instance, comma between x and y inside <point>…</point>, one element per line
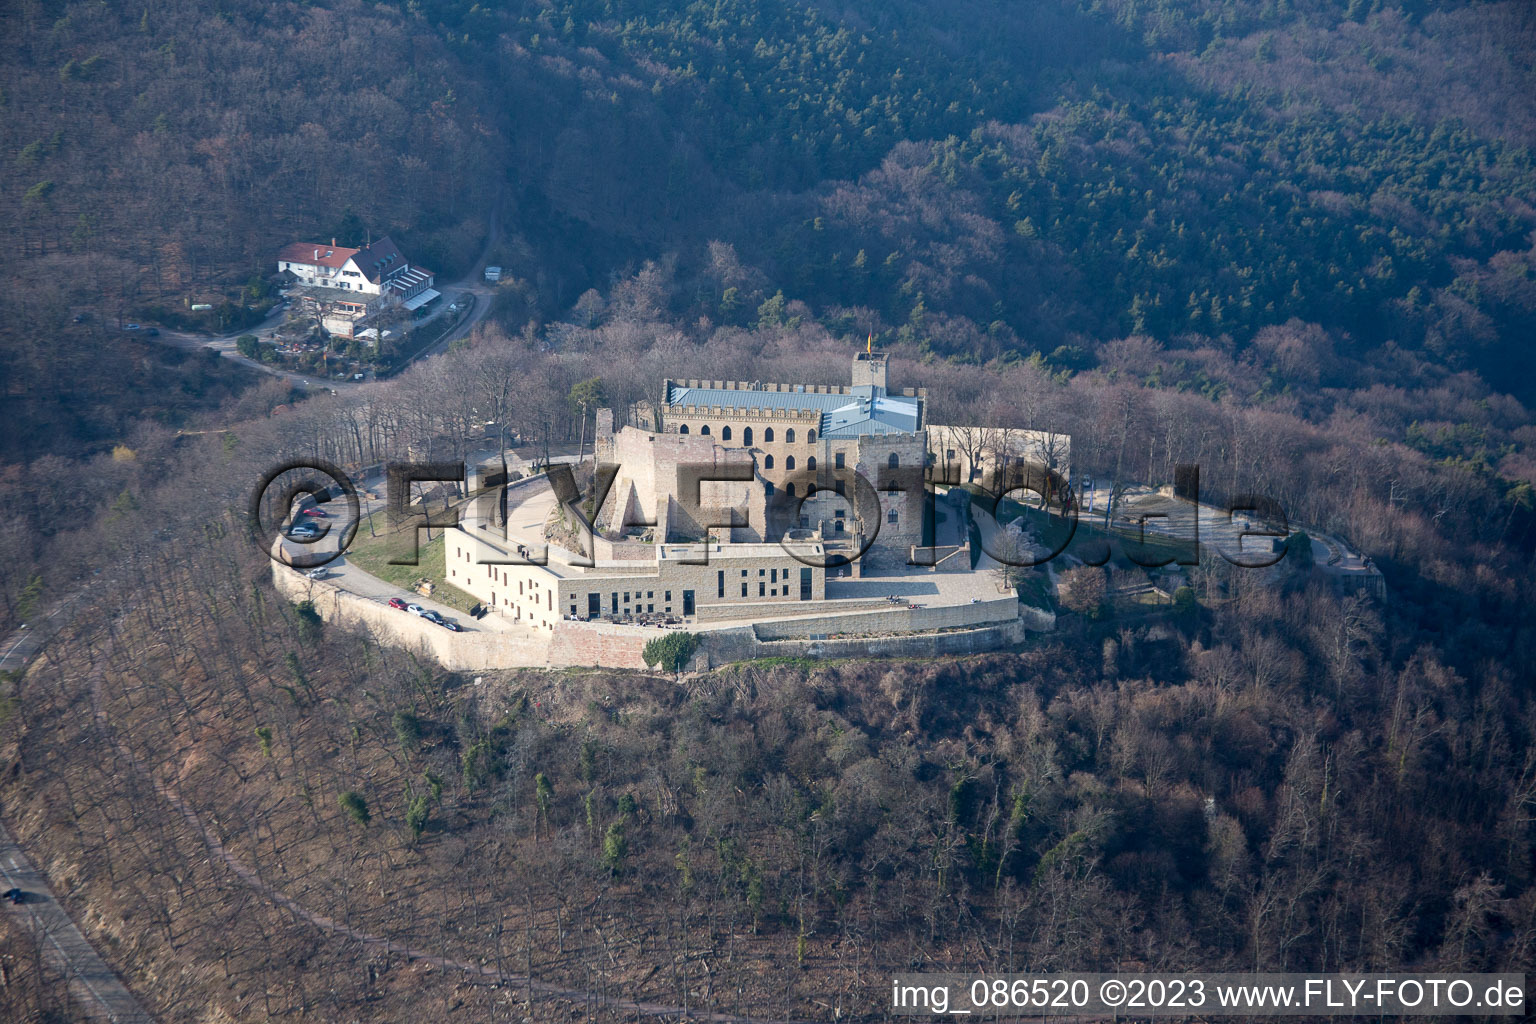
<point>408,731</point>
<point>1298,553</point>
<point>353,803</point>
<point>417,812</point>
<point>615,847</point>
<point>671,652</point>
<point>309,621</point>
<point>1184,601</point>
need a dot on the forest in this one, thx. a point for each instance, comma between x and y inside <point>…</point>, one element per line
<point>1290,241</point>
<point>1283,779</point>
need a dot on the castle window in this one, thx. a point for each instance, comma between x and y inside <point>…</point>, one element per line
<point>810,438</point>
<point>683,429</point>
<point>789,436</point>
<point>894,462</point>
<point>767,435</point>
<point>789,489</point>
<point>767,488</point>
<point>810,463</point>
<point>950,454</point>
<point>725,433</point>
<point>746,437</point>
<point>789,462</point>
<point>837,460</point>
<point>767,461</point>
<point>704,430</point>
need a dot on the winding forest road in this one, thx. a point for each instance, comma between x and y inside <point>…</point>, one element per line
<point>112,1001</point>
<point>101,994</point>
<point>252,879</point>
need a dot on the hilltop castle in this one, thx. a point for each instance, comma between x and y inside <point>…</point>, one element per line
<point>799,509</point>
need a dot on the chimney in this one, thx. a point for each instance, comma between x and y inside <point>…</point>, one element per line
<point>317,254</point>
<point>333,243</point>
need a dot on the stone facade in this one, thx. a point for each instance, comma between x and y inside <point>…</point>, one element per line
<point>844,462</point>
<point>680,580</point>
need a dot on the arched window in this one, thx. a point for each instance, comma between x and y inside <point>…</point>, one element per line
<point>789,436</point>
<point>767,488</point>
<point>789,462</point>
<point>683,429</point>
<point>894,462</point>
<point>767,461</point>
<point>789,489</point>
<point>768,435</point>
<point>704,430</point>
<point>810,463</point>
<point>746,437</point>
<point>810,438</point>
<point>725,433</point>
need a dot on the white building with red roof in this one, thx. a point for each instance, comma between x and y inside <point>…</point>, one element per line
<point>348,285</point>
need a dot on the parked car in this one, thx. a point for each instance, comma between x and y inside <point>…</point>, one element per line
<point>153,332</point>
<point>432,616</point>
<point>451,626</point>
<point>15,895</point>
<point>319,513</point>
<point>357,376</point>
<point>319,572</point>
<point>78,318</point>
<point>416,609</point>
<point>130,327</point>
<point>303,531</point>
<point>397,602</point>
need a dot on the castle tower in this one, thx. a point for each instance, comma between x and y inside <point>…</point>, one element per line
<point>869,374</point>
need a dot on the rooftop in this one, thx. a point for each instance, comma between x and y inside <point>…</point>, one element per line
<point>842,414</point>
<point>317,253</point>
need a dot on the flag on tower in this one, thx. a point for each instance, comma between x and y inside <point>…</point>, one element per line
<point>869,346</point>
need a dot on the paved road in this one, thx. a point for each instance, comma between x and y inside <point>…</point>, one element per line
<point>342,573</point>
<point>101,995</point>
<point>22,645</point>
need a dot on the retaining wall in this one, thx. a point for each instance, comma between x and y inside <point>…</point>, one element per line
<point>458,652</point>
<point>727,645</point>
<point>590,643</point>
<point>894,619</point>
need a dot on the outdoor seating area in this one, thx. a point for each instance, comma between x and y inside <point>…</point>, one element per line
<point>657,620</point>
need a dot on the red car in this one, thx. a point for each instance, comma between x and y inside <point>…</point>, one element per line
<point>320,512</point>
<point>397,602</point>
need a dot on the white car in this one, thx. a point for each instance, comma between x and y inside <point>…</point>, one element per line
<point>416,609</point>
<point>319,572</point>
